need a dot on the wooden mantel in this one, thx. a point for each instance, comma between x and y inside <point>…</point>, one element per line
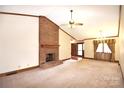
<point>49,46</point>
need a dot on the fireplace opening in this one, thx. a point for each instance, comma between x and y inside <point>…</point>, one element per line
<point>50,57</point>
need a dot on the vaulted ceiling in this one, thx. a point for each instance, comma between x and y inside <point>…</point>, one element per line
<point>95,18</point>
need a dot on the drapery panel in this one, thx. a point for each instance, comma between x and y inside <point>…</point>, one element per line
<point>102,55</point>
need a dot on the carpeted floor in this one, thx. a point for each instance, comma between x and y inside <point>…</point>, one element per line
<point>87,73</point>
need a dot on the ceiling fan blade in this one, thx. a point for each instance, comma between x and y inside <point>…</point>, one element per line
<point>67,25</point>
<point>63,24</point>
<point>79,24</point>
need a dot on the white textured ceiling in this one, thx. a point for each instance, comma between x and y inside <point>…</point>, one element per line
<point>95,18</point>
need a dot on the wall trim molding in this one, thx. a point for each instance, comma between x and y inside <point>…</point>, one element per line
<point>65,59</point>
<point>96,38</point>
<point>121,72</point>
<point>39,42</point>
<point>116,61</point>
<point>119,21</point>
<point>17,71</point>
<point>88,58</point>
<point>9,13</point>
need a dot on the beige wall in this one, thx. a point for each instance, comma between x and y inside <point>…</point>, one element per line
<point>18,42</point>
<point>89,49</point>
<point>117,55</point>
<point>121,40</point>
<point>65,45</point>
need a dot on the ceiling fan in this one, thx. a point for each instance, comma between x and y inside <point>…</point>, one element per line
<point>72,22</point>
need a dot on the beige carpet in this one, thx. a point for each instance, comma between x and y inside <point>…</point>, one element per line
<point>87,73</point>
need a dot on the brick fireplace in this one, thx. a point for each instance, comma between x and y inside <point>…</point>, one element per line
<point>47,50</point>
<point>49,40</point>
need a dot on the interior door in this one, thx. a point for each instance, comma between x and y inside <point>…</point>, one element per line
<point>74,49</point>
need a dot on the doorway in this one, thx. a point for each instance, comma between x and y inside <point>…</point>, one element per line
<point>77,49</point>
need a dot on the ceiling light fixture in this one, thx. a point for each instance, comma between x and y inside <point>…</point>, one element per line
<point>71,22</point>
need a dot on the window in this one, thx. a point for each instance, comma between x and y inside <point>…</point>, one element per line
<point>103,47</point>
<point>80,49</point>
<point>106,48</point>
<point>100,48</point>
